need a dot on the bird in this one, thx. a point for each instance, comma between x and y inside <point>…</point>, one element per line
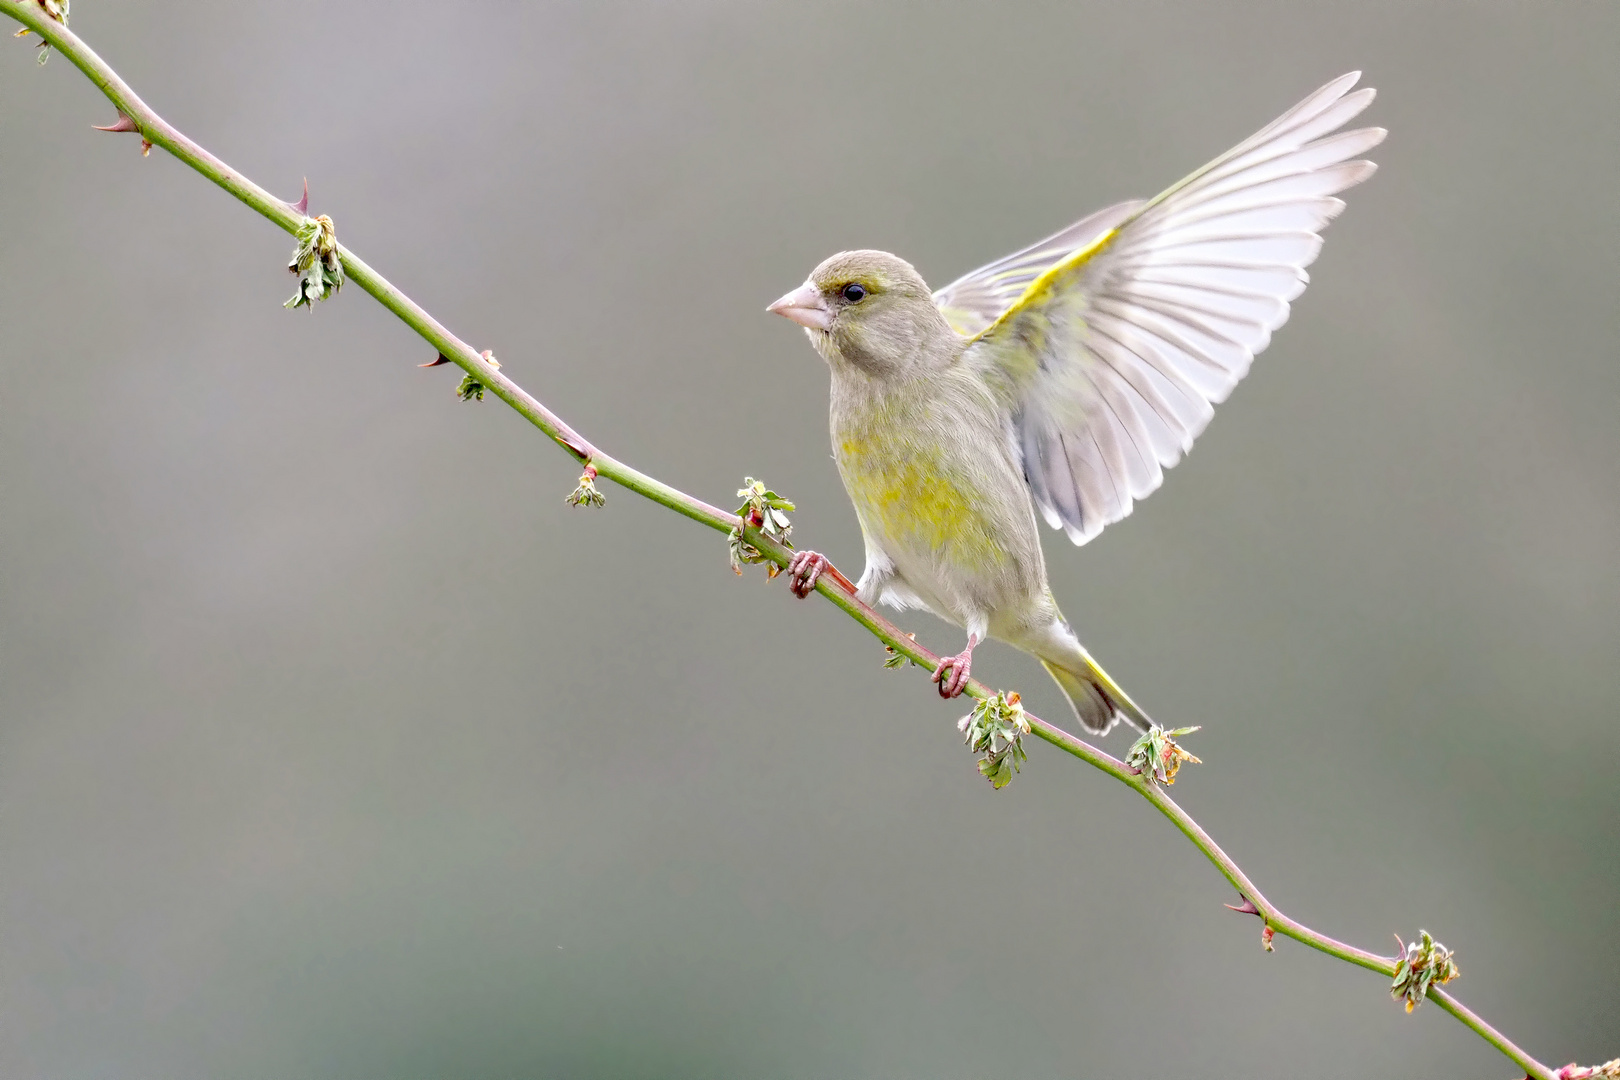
<point>1060,381</point>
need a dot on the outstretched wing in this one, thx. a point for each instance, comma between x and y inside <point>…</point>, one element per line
<point>1112,358</point>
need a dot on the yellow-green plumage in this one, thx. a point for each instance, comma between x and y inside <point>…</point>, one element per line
<point>922,443</point>
<point>913,494</point>
<point>1064,378</point>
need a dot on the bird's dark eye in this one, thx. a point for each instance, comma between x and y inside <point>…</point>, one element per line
<point>854,292</point>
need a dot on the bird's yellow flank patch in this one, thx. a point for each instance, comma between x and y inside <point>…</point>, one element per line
<point>918,500</point>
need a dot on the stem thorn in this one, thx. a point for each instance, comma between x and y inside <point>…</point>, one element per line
<point>123,123</point>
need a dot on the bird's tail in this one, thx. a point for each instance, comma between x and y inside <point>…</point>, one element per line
<point>1097,700</point>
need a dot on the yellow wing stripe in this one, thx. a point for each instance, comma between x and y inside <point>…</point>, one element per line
<point>1042,287</point>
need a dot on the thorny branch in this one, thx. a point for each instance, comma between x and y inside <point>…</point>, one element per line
<point>997,722</point>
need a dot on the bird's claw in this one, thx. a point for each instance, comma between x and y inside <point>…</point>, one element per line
<point>952,673</point>
<point>804,570</point>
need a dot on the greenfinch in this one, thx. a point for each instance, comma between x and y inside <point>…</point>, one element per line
<point>1063,379</point>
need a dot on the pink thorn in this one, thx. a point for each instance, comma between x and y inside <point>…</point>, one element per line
<point>123,123</point>
<point>442,359</point>
<point>302,205</point>
<point>1247,907</point>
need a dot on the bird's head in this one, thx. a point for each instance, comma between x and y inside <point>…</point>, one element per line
<point>869,310</point>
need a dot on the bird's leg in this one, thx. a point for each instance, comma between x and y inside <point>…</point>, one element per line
<point>952,672</point>
<point>804,570</point>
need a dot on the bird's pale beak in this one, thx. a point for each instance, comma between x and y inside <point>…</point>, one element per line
<point>806,307</point>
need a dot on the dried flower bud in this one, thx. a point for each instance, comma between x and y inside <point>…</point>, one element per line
<point>1157,754</point>
<point>762,509</point>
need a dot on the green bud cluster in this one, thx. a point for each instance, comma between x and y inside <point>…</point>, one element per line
<point>1421,964</point>
<point>316,262</point>
<point>995,729</point>
<point>471,389</point>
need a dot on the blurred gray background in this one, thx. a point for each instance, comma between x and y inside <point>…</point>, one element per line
<point>333,744</point>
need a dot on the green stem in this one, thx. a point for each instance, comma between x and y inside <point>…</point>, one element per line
<point>1531,1067</point>
<point>155,130</point>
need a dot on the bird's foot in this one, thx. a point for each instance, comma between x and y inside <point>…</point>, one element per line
<point>804,570</point>
<point>953,671</point>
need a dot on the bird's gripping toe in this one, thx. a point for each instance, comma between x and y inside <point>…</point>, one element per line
<point>953,671</point>
<point>804,570</point>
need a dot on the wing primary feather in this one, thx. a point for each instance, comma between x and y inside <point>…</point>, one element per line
<point>1168,447</point>
<point>1097,469</point>
<point>1302,215</point>
<point>1035,473</point>
<point>1152,349</point>
<point>1139,463</point>
<point>1267,249</point>
<point>1314,105</point>
<point>1211,381</point>
<point>1110,463</point>
<point>1224,303</point>
<point>1193,412</point>
<point>1065,496</point>
<point>1283,282</point>
<point>1285,152</point>
<point>1327,179</point>
<point>1214,343</point>
<point>1223,373</point>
